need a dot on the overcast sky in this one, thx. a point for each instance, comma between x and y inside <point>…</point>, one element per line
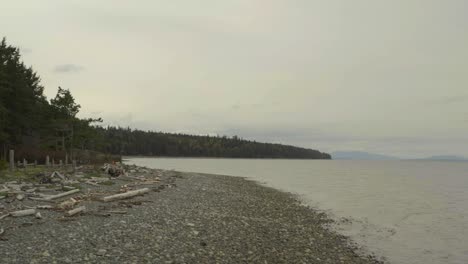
<point>372,75</point>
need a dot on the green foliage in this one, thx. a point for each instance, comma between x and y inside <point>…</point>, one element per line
<point>27,119</point>
<point>3,165</point>
<point>22,103</point>
<point>136,142</point>
<point>107,183</point>
<point>64,104</point>
<point>20,175</point>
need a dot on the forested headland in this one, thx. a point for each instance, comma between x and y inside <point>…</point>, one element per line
<point>34,125</point>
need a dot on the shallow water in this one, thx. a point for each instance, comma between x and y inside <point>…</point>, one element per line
<point>406,211</point>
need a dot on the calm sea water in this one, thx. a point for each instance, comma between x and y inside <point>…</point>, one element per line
<point>406,211</point>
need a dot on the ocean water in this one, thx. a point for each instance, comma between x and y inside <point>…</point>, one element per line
<point>405,211</point>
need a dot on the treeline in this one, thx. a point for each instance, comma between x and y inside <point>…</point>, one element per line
<point>30,122</point>
<point>136,142</point>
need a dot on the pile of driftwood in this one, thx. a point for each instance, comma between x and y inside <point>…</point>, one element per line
<point>114,170</point>
<point>60,192</point>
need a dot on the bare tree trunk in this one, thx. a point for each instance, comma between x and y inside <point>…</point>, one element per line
<point>4,152</point>
<point>71,141</point>
<point>12,159</point>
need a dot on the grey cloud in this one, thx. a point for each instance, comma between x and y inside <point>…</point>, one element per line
<point>68,68</point>
<point>451,99</point>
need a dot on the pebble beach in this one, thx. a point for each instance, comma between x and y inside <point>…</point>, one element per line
<point>186,218</point>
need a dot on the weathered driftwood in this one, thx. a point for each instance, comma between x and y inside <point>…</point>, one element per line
<point>91,183</point>
<point>68,188</point>
<point>32,190</point>
<point>60,195</point>
<point>114,170</point>
<point>41,199</point>
<point>76,211</point>
<point>4,216</point>
<point>23,213</point>
<point>125,195</point>
<point>57,174</point>
<point>67,204</point>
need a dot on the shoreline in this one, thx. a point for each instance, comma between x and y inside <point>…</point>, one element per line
<point>187,218</point>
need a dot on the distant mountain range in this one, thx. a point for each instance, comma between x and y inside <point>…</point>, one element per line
<point>446,157</point>
<point>361,155</point>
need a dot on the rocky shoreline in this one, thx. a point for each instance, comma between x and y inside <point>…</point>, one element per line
<point>185,218</point>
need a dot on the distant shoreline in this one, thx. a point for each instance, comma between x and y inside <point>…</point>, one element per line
<point>182,157</point>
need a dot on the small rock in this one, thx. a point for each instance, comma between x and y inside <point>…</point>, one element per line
<point>38,215</point>
<point>128,245</point>
<point>196,232</point>
<point>190,224</point>
<point>20,197</point>
<point>46,254</point>
<point>101,252</point>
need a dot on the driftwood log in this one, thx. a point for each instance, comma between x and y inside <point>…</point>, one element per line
<point>53,197</point>
<point>126,195</point>
<point>76,211</point>
<point>68,204</point>
<point>23,213</point>
<point>57,174</point>
<point>4,216</point>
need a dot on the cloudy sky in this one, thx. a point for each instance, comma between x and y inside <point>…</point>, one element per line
<point>371,75</point>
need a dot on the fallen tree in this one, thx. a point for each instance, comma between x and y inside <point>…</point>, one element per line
<point>125,195</point>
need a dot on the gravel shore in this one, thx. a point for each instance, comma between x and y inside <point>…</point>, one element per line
<point>187,218</point>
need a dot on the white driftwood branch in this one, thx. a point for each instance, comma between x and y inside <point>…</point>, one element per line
<point>68,204</point>
<point>76,211</point>
<point>23,213</point>
<point>58,174</point>
<point>125,195</point>
<point>60,195</point>
<point>4,216</point>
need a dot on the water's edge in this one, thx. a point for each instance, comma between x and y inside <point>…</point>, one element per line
<point>407,211</point>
